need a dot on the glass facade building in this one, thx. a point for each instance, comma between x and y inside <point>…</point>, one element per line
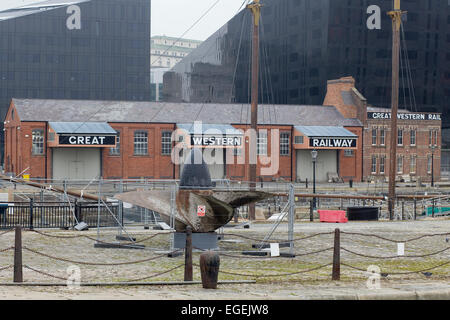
<point>69,49</point>
<point>304,43</point>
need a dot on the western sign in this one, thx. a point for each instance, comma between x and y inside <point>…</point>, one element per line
<point>404,116</point>
<point>332,142</point>
<point>87,140</point>
<point>216,141</point>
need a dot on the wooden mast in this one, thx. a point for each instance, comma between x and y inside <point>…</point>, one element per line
<point>396,16</point>
<point>255,7</point>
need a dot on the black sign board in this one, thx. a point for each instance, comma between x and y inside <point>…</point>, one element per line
<point>332,142</point>
<point>403,116</point>
<point>215,141</point>
<point>87,140</point>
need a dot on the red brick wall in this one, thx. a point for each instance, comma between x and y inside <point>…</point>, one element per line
<point>351,167</point>
<point>422,148</point>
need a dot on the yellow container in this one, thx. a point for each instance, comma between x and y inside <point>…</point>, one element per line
<point>26,177</point>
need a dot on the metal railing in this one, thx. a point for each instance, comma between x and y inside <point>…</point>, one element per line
<point>55,215</point>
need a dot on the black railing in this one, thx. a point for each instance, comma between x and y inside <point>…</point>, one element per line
<point>56,215</point>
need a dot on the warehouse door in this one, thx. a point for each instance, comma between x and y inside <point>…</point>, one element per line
<point>326,163</point>
<point>76,163</point>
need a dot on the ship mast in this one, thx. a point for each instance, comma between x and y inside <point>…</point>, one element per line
<point>396,16</point>
<point>255,8</point>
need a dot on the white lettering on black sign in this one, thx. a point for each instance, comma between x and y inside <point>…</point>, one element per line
<point>404,116</point>
<point>332,143</point>
<point>216,141</point>
<point>87,140</point>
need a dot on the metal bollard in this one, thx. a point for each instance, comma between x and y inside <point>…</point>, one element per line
<point>336,275</point>
<point>209,268</point>
<point>18,268</point>
<point>188,255</point>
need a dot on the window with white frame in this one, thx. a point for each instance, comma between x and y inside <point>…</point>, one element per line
<point>298,139</point>
<point>382,136</point>
<point>285,143</point>
<point>116,151</point>
<point>400,137</point>
<point>166,143</point>
<point>262,143</point>
<point>400,164</point>
<point>374,136</point>
<point>413,164</point>
<point>140,143</point>
<point>374,164</point>
<point>37,142</point>
<point>429,164</point>
<point>412,137</point>
<point>382,162</point>
<point>349,153</point>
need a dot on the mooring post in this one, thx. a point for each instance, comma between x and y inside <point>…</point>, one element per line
<point>311,211</point>
<point>18,268</point>
<point>31,214</point>
<point>336,275</point>
<point>188,255</point>
<point>209,268</point>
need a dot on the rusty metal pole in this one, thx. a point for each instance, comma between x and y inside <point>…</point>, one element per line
<point>336,274</point>
<point>396,16</point>
<point>18,268</point>
<point>188,255</point>
<point>255,8</point>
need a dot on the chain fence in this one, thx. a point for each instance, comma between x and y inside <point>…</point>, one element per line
<point>261,267</point>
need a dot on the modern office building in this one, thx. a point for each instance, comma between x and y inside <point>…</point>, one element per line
<point>75,49</point>
<point>166,52</point>
<point>306,42</point>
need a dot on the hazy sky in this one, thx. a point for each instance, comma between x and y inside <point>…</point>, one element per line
<point>174,17</point>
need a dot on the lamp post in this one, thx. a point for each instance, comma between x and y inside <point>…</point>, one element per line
<point>432,165</point>
<point>314,159</point>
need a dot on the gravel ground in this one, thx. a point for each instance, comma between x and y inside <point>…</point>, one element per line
<point>270,274</point>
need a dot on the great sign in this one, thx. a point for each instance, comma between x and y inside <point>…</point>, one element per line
<point>404,116</point>
<point>88,140</point>
<point>332,143</point>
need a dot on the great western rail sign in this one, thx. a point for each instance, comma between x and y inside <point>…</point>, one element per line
<point>404,116</point>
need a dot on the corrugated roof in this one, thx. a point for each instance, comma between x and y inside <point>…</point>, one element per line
<point>82,128</point>
<point>164,112</point>
<point>325,131</point>
<point>36,8</point>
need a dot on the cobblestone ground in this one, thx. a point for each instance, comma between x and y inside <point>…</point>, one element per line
<point>275,276</point>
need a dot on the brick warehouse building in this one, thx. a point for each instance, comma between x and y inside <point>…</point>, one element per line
<point>419,135</point>
<point>52,139</point>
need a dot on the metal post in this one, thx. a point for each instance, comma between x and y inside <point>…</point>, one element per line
<point>433,209</point>
<point>119,228</point>
<point>415,209</point>
<point>188,255</point>
<point>291,219</point>
<point>336,274</point>
<point>432,166</point>
<point>18,268</point>
<point>396,16</point>
<point>98,207</point>
<point>311,211</point>
<point>31,214</point>
<point>403,210</point>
